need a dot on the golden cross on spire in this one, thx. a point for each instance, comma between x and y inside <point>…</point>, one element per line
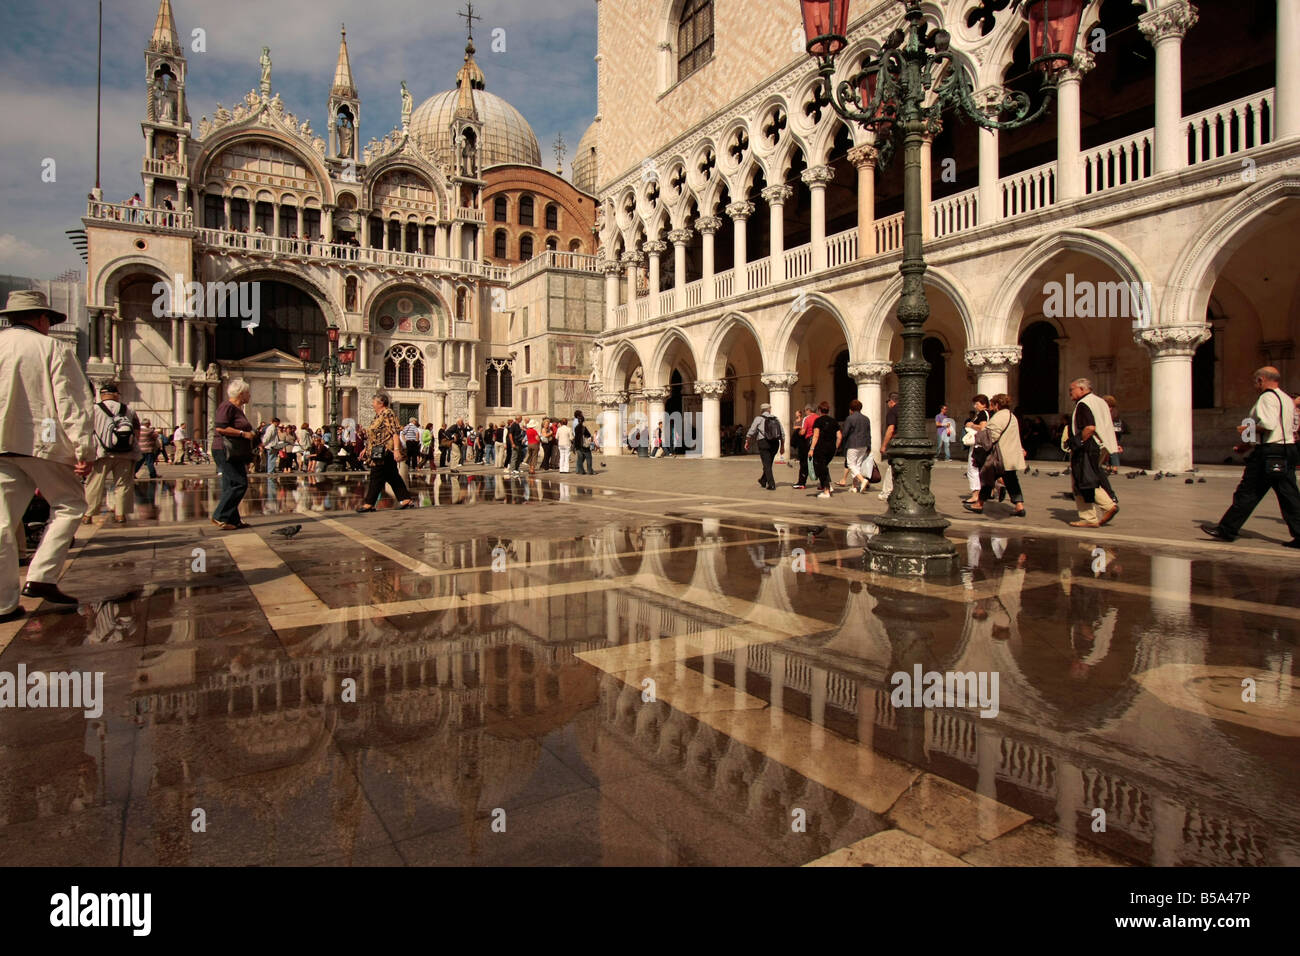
<point>470,17</point>
<point>560,148</point>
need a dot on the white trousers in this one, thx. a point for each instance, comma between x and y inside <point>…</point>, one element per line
<point>886,476</point>
<point>855,458</point>
<point>972,473</point>
<point>19,479</point>
<point>564,458</point>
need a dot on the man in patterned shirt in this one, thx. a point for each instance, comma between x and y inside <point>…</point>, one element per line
<point>385,449</point>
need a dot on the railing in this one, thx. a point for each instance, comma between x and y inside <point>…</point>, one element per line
<point>164,167</point>
<point>1025,192</point>
<point>889,234</point>
<point>620,316</point>
<point>465,214</point>
<point>1231,128</point>
<point>553,259</point>
<point>1118,163</point>
<point>798,262</point>
<point>643,309</point>
<point>758,275</point>
<point>139,215</point>
<point>695,293</point>
<point>279,246</point>
<point>723,284</point>
<point>668,302</point>
<point>955,213</point>
<point>841,248</point>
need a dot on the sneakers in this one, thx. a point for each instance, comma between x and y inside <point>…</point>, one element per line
<point>799,487</point>
<point>824,494</point>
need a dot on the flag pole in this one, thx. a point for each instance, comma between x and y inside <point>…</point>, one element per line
<point>99,93</point>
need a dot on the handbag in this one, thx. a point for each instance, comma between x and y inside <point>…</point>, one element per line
<point>239,450</point>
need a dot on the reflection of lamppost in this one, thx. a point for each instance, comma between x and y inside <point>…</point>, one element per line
<point>338,362</point>
<point>901,93</point>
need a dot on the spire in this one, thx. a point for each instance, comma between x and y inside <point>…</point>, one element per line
<point>343,85</point>
<point>468,79</point>
<point>165,38</point>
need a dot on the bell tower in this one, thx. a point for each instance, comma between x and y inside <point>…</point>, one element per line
<point>344,113</point>
<point>167,116</point>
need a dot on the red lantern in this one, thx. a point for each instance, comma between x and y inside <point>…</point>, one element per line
<point>332,333</point>
<point>347,353</point>
<point>304,351</point>
<point>824,23</point>
<point>1053,31</point>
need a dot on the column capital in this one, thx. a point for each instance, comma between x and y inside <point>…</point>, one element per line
<point>611,399</point>
<point>1164,341</point>
<point>780,381</point>
<point>656,247</point>
<point>708,225</point>
<point>867,154</point>
<point>681,236</point>
<point>870,373</point>
<point>1171,20</point>
<point>711,389</point>
<point>993,358</point>
<point>1081,64</point>
<point>740,210</point>
<point>611,267</point>
<point>656,394</point>
<point>777,195</point>
<point>816,176</point>
<point>633,258</point>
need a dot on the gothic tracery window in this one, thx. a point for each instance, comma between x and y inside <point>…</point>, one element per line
<point>404,367</point>
<point>694,36</point>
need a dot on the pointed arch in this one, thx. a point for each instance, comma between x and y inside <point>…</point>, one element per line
<point>659,371</point>
<point>784,349</point>
<point>873,344</point>
<point>714,365</point>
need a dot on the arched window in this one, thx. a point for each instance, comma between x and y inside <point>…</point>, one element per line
<point>492,390</point>
<point>462,300</point>
<point>525,247</point>
<point>575,245</point>
<point>507,388</point>
<point>499,244</point>
<point>552,243</point>
<point>499,210</point>
<point>694,37</point>
<point>404,367</point>
<point>552,216</point>
<point>526,210</point>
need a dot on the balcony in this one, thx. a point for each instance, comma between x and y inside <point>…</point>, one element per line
<point>1212,134</point>
<point>255,245</point>
<point>161,219</point>
<point>465,214</point>
<point>552,259</point>
<point>164,167</point>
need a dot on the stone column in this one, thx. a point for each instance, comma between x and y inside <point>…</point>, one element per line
<point>611,269</point>
<point>654,249</point>
<point>740,213</point>
<point>363,352</point>
<point>439,409</point>
<point>1286,101</point>
<point>680,238</point>
<point>817,178</point>
<point>1069,162</point>
<point>864,158</point>
<point>201,330</point>
<point>776,196</point>
<point>708,227</point>
<point>178,406</point>
<point>778,387</point>
<point>990,200</point>
<point>631,263</point>
<point>187,352</point>
<point>992,366</point>
<point>225,204</point>
<point>611,432</point>
<point>656,397</point>
<point>299,230</point>
<point>927,183</point>
<point>1165,27</point>
<point>176,339</point>
<point>1171,348</point>
<point>275,220</point>
<point>711,419</point>
<point>870,377</point>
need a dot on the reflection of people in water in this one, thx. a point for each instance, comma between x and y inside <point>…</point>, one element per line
<point>1092,626</point>
<point>108,623</point>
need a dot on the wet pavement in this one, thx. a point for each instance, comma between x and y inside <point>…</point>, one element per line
<point>617,672</point>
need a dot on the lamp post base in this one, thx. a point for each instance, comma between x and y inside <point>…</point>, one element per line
<point>904,550</point>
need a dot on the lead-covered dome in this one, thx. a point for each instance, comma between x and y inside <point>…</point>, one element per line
<point>507,137</point>
<point>584,162</point>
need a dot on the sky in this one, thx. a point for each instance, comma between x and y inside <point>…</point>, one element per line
<point>542,62</point>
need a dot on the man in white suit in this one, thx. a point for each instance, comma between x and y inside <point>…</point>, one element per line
<point>45,443</point>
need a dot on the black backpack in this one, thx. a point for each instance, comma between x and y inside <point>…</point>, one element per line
<point>121,431</point>
<point>771,429</point>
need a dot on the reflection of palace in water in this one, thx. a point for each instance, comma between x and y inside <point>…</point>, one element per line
<point>453,706</point>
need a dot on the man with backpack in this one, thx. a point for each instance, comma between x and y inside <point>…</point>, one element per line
<point>117,449</point>
<point>767,431</point>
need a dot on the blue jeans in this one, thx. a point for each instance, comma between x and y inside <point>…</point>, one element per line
<point>148,459</point>
<point>234,484</point>
<point>944,447</point>
<point>584,457</point>
<point>490,454</point>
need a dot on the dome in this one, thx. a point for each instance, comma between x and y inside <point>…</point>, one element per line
<point>507,137</point>
<point>584,162</point>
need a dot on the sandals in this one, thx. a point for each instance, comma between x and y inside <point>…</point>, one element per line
<point>408,503</point>
<point>365,509</point>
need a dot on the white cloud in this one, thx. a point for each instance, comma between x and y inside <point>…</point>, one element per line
<point>19,257</point>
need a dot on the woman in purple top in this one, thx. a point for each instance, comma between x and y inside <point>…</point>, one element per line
<point>231,423</point>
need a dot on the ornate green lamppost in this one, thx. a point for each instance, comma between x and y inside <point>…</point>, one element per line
<point>901,94</point>
<point>338,362</point>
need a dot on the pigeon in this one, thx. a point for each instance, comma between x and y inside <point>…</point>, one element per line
<point>1158,476</point>
<point>1035,472</point>
<point>1188,481</point>
<point>1200,481</point>
<point>288,532</point>
<point>1131,475</point>
<point>1143,472</point>
<point>1170,474</point>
